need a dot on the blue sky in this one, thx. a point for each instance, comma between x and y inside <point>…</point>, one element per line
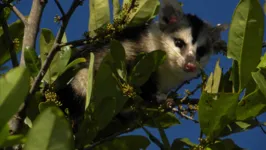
<point>213,11</point>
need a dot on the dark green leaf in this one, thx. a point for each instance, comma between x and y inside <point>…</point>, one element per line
<point>4,14</point>
<point>16,30</point>
<point>251,105</point>
<point>50,131</point>
<point>165,120</point>
<point>118,55</point>
<point>32,61</point>
<point>99,14</point>
<point>146,66</point>
<point>14,89</point>
<point>227,144</point>
<point>245,38</point>
<point>216,111</point>
<point>239,126</point>
<point>180,144</point>
<point>106,112</point>
<point>132,142</point>
<point>226,85</point>
<point>90,81</point>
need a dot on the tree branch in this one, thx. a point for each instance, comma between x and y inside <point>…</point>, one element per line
<point>59,7</point>
<point>32,27</point>
<point>18,14</point>
<point>31,31</point>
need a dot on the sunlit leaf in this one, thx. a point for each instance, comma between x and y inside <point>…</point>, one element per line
<point>99,14</point>
<point>116,7</point>
<point>13,140</point>
<point>251,105</point>
<point>245,38</point>
<point>146,10</point>
<point>14,88</point>
<point>51,131</point>
<point>216,111</point>
<point>90,81</point>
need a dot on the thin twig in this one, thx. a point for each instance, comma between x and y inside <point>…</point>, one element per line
<point>153,138</point>
<point>184,115</point>
<point>59,7</point>
<point>18,14</point>
<point>261,127</point>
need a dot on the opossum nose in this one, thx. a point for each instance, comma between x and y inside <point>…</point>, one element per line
<point>190,67</point>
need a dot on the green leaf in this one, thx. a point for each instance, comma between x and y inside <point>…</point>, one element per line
<point>259,78</point>
<point>216,111</point>
<point>61,58</point>
<point>50,131</point>
<point>4,133</point>
<point>116,8</point>
<point>227,144</point>
<point>245,38</point>
<point>146,10</point>
<point>90,81</point>
<point>14,89</point>
<point>180,143</point>
<point>4,14</point>
<point>235,76</point>
<point>99,14</point>
<point>44,105</point>
<point>146,66</point>
<point>119,57</point>
<point>132,142</point>
<point>32,61</point>
<point>251,105</point>
<point>16,30</point>
<point>107,111</point>
<point>73,64</point>
<point>13,140</point>
<point>165,120</point>
<point>239,126</point>
<point>226,86</point>
<point>262,63</point>
<point>214,80</point>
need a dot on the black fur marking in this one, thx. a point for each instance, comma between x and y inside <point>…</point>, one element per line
<point>201,51</point>
<point>196,24</point>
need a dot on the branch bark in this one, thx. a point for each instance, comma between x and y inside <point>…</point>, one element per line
<point>32,26</point>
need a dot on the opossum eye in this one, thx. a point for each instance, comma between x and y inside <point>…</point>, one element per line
<point>179,43</point>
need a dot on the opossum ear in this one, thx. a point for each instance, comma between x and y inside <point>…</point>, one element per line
<point>170,13</point>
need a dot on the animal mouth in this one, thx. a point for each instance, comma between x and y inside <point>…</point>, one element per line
<point>190,67</point>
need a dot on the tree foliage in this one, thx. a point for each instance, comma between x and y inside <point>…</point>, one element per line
<point>229,103</point>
